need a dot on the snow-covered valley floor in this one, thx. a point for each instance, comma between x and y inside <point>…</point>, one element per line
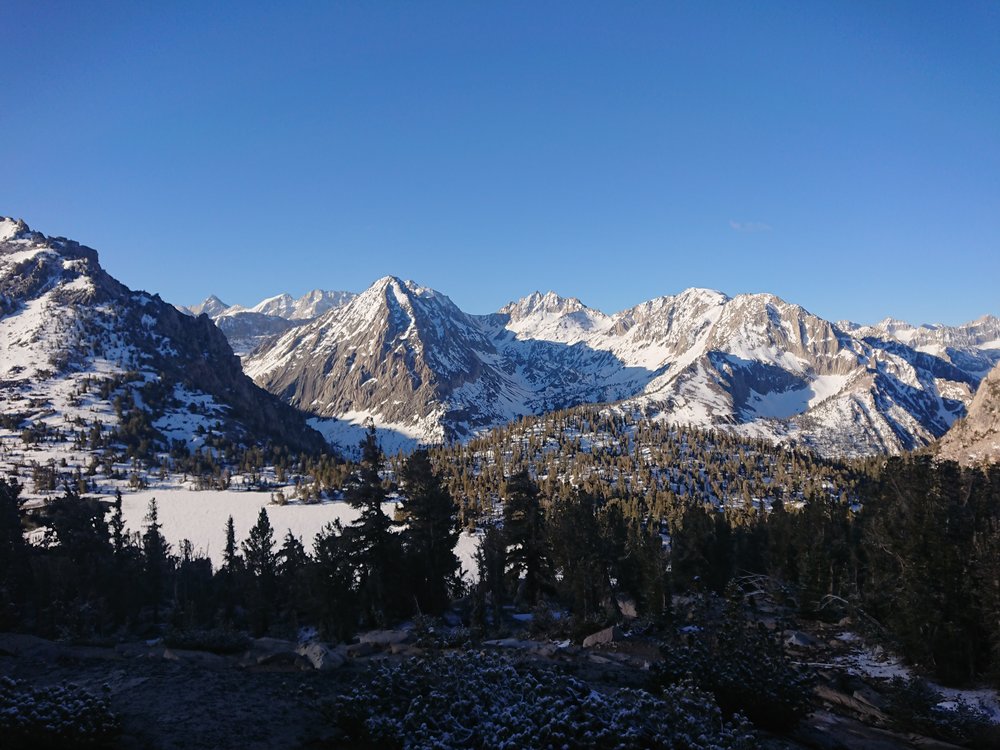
<point>200,516</point>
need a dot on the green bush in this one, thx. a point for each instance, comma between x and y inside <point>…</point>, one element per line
<point>483,700</point>
<point>60,716</point>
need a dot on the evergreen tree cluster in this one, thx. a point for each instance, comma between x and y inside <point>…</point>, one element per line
<point>598,513</point>
<point>93,578</point>
<point>656,469</point>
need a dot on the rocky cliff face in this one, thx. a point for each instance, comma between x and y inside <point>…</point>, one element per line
<point>407,357</point>
<point>67,329</point>
<point>398,350</point>
<point>975,439</point>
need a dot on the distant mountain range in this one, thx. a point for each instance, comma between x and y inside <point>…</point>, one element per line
<point>80,351</point>
<point>247,327</point>
<point>425,371</point>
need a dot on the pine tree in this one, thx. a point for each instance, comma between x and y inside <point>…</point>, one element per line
<point>156,558</point>
<point>258,547</point>
<point>261,565</point>
<point>579,555</point>
<point>430,534</point>
<point>292,556</point>
<point>336,598</point>
<point>230,554</point>
<point>491,562</point>
<point>524,527</point>
<point>15,569</point>
<point>117,526</point>
<point>375,550</point>
<point>229,580</point>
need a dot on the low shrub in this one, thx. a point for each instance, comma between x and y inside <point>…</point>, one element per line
<point>216,640</point>
<point>59,716</point>
<point>915,706</point>
<point>485,700</point>
<point>740,663</point>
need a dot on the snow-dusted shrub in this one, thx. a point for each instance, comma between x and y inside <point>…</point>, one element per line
<point>484,700</point>
<point>741,664</point>
<point>915,706</point>
<point>57,716</point>
<point>216,640</point>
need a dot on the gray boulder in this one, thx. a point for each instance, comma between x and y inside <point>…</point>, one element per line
<point>608,635</point>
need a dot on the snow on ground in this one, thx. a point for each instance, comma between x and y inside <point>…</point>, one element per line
<point>879,664</point>
<point>465,551</point>
<point>874,662</point>
<point>346,432</point>
<point>201,517</point>
<point>784,404</point>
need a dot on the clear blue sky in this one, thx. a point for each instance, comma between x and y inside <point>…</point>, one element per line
<point>843,155</point>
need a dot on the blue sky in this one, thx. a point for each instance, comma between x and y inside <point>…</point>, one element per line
<point>843,155</point>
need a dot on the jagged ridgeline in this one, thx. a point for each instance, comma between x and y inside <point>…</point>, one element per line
<point>652,468</point>
<point>754,364</point>
<point>89,362</point>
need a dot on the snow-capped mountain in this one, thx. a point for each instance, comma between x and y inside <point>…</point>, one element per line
<point>402,347</point>
<point>248,327</point>
<point>308,306</point>
<point>975,439</point>
<point>81,351</point>
<point>973,346</point>
<point>421,368</point>
<point>211,306</point>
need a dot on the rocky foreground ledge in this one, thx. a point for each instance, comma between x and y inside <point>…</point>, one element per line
<point>265,692</point>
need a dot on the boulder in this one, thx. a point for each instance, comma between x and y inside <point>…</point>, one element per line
<point>608,635</point>
<point>627,606</point>
<point>267,651</point>
<point>405,649</point>
<point>201,658</point>
<point>385,638</point>
<point>320,656</point>
<point>798,639</point>
<point>284,660</point>
<point>357,650</point>
<point>272,645</point>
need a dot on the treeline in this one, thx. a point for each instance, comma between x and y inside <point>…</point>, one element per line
<point>655,469</point>
<point>210,466</point>
<point>606,522</point>
<point>91,578</point>
<point>916,563</point>
<point>910,545</point>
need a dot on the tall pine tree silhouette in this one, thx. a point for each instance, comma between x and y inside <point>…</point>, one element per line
<point>375,550</point>
<point>528,557</point>
<point>431,532</point>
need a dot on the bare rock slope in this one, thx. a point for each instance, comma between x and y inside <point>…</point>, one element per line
<point>975,439</point>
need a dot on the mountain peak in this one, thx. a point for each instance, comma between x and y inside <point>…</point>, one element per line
<point>976,438</point>
<point>538,303</point>
<point>11,228</point>
<point>699,292</point>
<point>891,325</point>
<point>387,281</point>
<point>211,306</point>
<point>404,290</point>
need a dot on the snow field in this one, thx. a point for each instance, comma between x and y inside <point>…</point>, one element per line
<point>200,516</point>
